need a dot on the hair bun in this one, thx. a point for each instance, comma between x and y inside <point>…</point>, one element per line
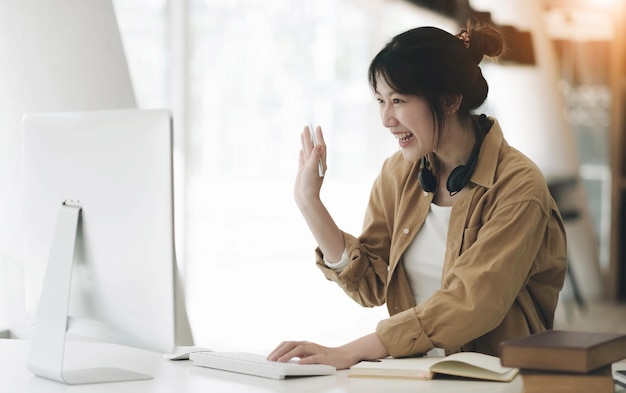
<point>485,40</point>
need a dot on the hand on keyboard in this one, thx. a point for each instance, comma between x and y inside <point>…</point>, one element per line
<point>253,364</point>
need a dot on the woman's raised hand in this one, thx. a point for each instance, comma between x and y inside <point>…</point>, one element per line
<point>312,157</point>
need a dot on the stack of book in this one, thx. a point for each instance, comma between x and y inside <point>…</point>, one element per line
<point>565,361</point>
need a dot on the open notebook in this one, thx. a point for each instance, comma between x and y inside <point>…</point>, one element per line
<point>462,364</point>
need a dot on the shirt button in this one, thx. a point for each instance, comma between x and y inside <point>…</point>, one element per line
<point>425,193</point>
<point>406,231</point>
<point>388,268</point>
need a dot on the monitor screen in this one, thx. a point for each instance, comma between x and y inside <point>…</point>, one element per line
<point>98,185</point>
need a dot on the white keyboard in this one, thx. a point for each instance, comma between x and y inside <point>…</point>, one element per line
<point>253,364</point>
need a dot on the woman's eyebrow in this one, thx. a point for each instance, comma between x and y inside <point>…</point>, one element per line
<point>390,92</point>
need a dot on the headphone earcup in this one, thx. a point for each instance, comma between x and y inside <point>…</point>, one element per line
<point>458,179</point>
<point>427,180</point>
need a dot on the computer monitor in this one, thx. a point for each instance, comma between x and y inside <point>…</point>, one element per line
<point>99,254</point>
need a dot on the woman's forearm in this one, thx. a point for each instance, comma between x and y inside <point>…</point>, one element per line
<point>326,233</point>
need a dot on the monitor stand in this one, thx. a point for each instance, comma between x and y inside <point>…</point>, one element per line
<point>49,334</point>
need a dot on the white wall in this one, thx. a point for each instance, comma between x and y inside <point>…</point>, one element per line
<point>57,55</point>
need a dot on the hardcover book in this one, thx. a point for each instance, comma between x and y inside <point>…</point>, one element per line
<point>598,381</point>
<point>462,364</point>
<point>560,350</point>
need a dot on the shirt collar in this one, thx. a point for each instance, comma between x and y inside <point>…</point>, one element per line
<point>485,171</point>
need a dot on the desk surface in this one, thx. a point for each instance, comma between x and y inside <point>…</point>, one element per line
<point>183,376</point>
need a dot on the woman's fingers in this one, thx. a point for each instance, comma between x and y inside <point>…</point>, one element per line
<point>288,350</point>
<point>306,140</point>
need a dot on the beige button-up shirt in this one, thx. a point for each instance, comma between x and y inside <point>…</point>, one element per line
<point>504,265</point>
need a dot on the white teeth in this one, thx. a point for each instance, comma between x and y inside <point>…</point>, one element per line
<point>403,136</point>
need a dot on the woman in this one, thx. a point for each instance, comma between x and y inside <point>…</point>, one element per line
<point>461,237</point>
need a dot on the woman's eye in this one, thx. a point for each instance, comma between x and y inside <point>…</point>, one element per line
<point>397,100</point>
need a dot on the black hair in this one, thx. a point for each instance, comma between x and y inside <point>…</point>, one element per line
<point>433,64</point>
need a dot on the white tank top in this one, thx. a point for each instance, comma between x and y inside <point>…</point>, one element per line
<point>423,259</point>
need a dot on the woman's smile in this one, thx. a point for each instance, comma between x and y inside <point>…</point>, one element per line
<point>404,139</point>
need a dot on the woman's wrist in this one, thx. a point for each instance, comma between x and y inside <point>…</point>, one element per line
<point>368,347</point>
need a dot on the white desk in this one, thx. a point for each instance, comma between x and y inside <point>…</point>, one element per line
<point>183,376</point>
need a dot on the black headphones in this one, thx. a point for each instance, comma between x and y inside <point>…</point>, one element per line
<point>459,177</point>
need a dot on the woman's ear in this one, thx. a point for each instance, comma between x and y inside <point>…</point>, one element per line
<point>451,104</point>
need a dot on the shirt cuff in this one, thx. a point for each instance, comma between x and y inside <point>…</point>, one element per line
<point>339,266</point>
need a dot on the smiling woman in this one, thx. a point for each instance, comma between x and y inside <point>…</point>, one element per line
<point>483,227</point>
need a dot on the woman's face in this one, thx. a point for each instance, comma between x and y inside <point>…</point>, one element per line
<point>409,119</point>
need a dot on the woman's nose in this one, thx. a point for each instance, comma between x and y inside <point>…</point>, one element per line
<point>388,117</point>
